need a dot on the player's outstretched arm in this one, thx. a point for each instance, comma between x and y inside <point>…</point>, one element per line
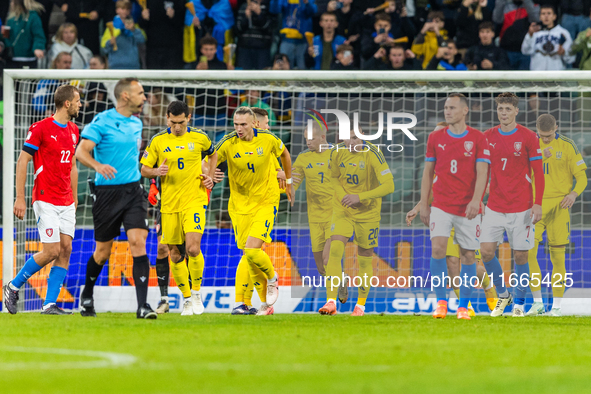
<point>20,206</point>
<point>83,154</point>
<point>286,164</point>
<point>481,181</point>
<point>426,186</point>
<point>74,182</point>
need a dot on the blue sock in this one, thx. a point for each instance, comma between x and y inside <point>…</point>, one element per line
<point>519,292</point>
<point>467,273</point>
<point>439,269</point>
<point>30,269</point>
<point>54,284</point>
<point>494,267</point>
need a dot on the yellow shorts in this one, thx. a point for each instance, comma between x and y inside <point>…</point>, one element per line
<point>453,249</point>
<point>176,225</point>
<point>259,225</point>
<point>319,233</point>
<point>555,221</point>
<point>366,233</point>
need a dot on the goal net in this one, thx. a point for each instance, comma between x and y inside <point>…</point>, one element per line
<point>294,98</point>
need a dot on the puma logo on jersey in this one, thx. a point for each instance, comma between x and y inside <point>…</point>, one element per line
<point>491,144</point>
<point>54,137</point>
<point>442,146</point>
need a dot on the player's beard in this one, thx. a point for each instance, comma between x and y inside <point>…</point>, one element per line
<point>74,115</point>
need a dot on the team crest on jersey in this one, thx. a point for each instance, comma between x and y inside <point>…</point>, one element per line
<point>559,155</point>
<point>517,146</point>
<point>468,145</point>
<point>74,138</point>
<point>29,135</point>
<point>191,146</point>
<point>260,151</point>
<point>362,165</point>
<point>49,232</point>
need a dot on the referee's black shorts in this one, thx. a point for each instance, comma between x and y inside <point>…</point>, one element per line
<point>119,204</point>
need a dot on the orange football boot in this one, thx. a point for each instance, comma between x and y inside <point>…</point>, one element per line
<point>463,314</point>
<point>357,311</point>
<point>441,310</point>
<point>330,308</point>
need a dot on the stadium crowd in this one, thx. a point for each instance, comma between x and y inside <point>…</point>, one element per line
<point>312,34</point>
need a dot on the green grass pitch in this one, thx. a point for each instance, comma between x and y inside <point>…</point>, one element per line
<point>297,353</point>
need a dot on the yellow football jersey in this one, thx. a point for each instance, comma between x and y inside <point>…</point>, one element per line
<point>182,185</point>
<point>313,166</point>
<point>251,170</point>
<point>359,173</point>
<point>561,167</point>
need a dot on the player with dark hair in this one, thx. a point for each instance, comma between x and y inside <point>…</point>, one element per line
<point>458,155</point>
<point>177,152</point>
<point>51,143</point>
<point>115,136</point>
<point>511,207</point>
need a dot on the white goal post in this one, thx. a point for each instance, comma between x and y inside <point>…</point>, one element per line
<point>567,94</point>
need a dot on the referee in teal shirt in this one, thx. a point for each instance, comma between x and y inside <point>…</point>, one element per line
<point>115,137</point>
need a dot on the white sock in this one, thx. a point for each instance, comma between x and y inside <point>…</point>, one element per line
<point>187,299</point>
<point>13,287</point>
<point>45,307</point>
<point>520,307</point>
<point>490,286</point>
<point>333,300</point>
<point>264,305</point>
<point>556,303</point>
<point>537,295</point>
<point>273,279</point>
<point>362,307</point>
<point>195,292</point>
<point>164,298</point>
<point>504,294</point>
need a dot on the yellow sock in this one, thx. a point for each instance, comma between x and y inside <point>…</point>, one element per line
<point>180,273</point>
<point>485,281</point>
<point>242,279</point>
<point>259,280</point>
<point>333,268</point>
<point>196,265</point>
<point>457,291</point>
<point>361,301</point>
<point>557,256</point>
<point>365,268</point>
<point>261,260</point>
<point>534,268</point>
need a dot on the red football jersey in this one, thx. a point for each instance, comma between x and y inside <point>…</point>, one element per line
<point>455,157</point>
<point>513,155</point>
<point>53,145</point>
